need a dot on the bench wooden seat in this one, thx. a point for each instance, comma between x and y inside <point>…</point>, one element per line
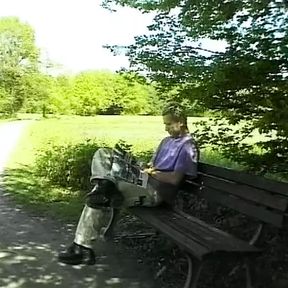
<point>263,200</point>
<point>192,234</point>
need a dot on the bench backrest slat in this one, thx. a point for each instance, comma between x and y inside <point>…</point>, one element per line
<point>249,193</point>
<point>257,197</point>
<point>247,208</point>
<point>244,178</point>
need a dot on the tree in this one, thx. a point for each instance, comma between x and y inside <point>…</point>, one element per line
<point>18,58</point>
<point>38,89</point>
<point>102,92</point>
<point>246,83</point>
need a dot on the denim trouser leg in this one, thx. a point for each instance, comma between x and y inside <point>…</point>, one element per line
<point>90,223</point>
<point>135,195</point>
<point>88,227</point>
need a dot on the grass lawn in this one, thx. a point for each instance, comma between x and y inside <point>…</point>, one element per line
<point>143,132</point>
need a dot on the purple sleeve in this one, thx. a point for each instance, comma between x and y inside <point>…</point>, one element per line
<point>187,160</point>
<point>155,154</point>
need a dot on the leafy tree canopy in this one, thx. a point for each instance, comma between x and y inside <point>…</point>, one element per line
<point>18,58</point>
<point>245,83</point>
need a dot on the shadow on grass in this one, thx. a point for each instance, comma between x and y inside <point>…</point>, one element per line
<point>39,196</point>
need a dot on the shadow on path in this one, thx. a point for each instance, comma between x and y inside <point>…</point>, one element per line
<point>29,244</point>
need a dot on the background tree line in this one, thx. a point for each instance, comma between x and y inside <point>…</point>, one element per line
<point>25,87</point>
<point>91,93</point>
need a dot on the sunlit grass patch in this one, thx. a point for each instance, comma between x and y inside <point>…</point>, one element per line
<point>143,132</point>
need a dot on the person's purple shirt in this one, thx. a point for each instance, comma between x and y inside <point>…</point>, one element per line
<point>177,154</point>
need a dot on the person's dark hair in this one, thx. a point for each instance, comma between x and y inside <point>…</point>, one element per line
<point>176,111</point>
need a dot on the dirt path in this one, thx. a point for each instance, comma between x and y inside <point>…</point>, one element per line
<point>29,245</point>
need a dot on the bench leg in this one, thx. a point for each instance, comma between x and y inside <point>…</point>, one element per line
<point>248,273</point>
<point>194,270</point>
<point>107,232</point>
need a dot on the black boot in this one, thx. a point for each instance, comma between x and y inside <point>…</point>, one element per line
<point>77,254</point>
<point>114,196</point>
<point>104,194</point>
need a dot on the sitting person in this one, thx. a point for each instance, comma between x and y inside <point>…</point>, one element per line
<point>175,157</point>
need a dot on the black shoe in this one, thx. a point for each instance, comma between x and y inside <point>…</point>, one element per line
<point>112,193</point>
<point>104,194</point>
<point>77,254</point>
<point>96,198</point>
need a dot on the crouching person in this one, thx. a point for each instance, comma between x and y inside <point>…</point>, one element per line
<point>175,157</point>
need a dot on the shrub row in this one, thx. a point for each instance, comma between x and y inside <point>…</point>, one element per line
<point>68,165</point>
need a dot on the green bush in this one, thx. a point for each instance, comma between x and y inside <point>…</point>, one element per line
<point>69,165</point>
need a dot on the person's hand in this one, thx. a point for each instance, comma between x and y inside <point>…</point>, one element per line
<point>150,170</point>
<point>149,165</point>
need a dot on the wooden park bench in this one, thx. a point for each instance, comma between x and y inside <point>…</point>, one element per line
<point>253,196</point>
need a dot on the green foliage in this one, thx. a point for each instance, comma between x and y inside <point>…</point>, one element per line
<point>98,92</point>
<point>51,142</point>
<point>244,82</point>
<point>18,59</point>
<point>40,138</point>
<point>38,88</point>
<point>193,109</point>
<point>24,87</point>
<point>63,156</point>
<point>108,93</point>
<point>61,99</point>
<point>69,165</point>
<point>5,102</point>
